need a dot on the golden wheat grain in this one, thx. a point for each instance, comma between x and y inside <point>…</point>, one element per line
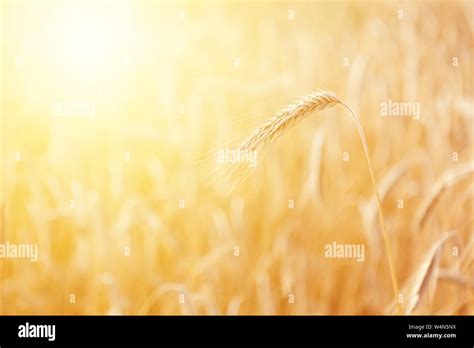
<point>288,117</point>
<point>271,130</point>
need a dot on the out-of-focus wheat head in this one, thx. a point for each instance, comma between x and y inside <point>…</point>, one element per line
<point>106,106</point>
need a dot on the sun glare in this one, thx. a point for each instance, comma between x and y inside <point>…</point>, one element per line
<point>91,39</point>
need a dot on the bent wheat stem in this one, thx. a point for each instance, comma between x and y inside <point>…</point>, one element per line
<point>388,247</point>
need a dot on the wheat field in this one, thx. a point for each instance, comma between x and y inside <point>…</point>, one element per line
<point>150,163</point>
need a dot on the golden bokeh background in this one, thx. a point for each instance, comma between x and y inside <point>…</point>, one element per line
<point>107,105</point>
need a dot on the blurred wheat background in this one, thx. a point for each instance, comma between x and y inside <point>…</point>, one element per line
<point>106,105</point>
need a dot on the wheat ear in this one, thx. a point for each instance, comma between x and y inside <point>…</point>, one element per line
<point>288,117</point>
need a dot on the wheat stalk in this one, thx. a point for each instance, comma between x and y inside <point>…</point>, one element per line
<point>369,208</point>
<point>291,115</point>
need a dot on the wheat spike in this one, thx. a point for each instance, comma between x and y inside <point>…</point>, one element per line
<point>265,135</point>
<point>288,117</point>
